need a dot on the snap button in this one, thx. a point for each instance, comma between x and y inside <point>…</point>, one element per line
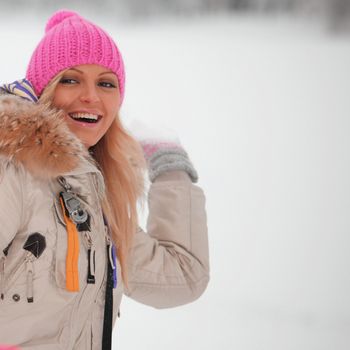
<point>16,297</point>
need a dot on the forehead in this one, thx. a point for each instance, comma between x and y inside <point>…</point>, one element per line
<point>91,69</point>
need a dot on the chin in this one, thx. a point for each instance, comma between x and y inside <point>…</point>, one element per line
<point>87,142</point>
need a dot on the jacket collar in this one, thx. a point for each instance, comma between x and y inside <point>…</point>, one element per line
<point>37,137</point>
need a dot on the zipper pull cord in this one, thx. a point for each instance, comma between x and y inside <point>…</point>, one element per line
<point>91,258</point>
<point>34,246</point>
<point>112,257</point>
<point>30,272</point>
<point>2,277</point>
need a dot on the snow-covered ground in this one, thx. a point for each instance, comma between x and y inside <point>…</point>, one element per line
<point>262,106</point>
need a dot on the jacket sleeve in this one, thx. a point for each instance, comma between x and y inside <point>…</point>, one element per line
<point>11,203</point>
<point>169,265</point>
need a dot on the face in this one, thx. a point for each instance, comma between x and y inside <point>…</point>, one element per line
<point>89,95</point>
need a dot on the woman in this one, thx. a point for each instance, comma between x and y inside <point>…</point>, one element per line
<point>69,185</point>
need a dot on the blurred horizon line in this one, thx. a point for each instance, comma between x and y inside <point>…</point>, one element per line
<point>335,12</point>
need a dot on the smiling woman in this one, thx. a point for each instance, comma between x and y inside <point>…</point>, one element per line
<point>71,179</point>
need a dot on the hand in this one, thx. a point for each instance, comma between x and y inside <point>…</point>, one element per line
<point>162,150</point>
<point>153,139</point>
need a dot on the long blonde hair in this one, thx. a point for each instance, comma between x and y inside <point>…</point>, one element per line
<point>121,161</point>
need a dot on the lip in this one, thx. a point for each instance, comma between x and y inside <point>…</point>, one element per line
<point>87,111</point>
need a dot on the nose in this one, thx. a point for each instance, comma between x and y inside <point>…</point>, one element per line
<point>89,94</point>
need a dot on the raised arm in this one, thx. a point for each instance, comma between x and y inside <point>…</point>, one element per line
<point>169,264</point>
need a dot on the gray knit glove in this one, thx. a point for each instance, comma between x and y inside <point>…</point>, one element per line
<point>163,151</point>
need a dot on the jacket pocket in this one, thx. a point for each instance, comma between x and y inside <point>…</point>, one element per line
<point>18,268</point>
<point>9,276</point>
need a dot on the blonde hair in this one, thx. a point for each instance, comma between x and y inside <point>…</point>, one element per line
<point>120,159</point>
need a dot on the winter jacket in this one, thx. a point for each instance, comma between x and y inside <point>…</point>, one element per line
<point>168,266</point>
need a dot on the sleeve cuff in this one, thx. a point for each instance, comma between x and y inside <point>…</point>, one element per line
<point>171,159</point>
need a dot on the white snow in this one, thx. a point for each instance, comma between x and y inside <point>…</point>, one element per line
<point>262,107</point>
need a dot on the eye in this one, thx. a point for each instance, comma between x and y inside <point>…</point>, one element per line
<point>68,81</point>
<point>107,84</point>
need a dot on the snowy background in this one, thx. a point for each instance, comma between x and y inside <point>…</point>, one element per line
<point>261,103</point>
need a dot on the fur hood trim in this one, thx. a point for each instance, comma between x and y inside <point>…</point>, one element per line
<point>36,136</point>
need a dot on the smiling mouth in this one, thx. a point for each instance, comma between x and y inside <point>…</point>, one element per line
<point>85,117</point>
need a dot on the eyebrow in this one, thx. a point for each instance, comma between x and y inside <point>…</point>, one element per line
<point>81,72</point>
<point>107,72</point>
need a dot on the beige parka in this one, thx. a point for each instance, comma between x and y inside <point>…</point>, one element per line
<point>168,265</point>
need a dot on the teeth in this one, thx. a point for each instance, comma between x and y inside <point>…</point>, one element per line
<point>84,116</point>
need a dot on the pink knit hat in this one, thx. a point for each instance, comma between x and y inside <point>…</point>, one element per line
<point>70,40</point>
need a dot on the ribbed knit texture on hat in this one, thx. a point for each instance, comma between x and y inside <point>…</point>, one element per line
<point>70,40</point>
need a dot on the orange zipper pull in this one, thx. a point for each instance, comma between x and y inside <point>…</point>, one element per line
<point>72,272</point>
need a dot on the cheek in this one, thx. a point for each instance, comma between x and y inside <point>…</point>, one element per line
<point>113,110</point>
<point>58,100</point>
<point>61,98</point>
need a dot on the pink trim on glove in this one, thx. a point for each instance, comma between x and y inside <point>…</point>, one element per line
<point>150,148</point>
<point>8,347</point>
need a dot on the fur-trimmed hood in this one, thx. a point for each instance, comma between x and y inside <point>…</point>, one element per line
<point>36,136</point>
